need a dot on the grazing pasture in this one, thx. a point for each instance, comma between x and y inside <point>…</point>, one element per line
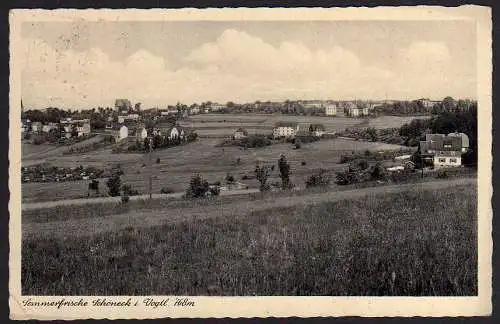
<point>408,241</point>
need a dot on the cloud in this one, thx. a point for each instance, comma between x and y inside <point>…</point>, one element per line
<point>235,66</point>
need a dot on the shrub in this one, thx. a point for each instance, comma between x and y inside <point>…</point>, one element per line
<point>358,165</point>
<point>318,179</point>
<point>215,190</point>
<point>198,187</point>
<point>229,178</point>
<point>38,139</point>
<point>377,172</point>
<point>244,177</point>
<point>125,199</point>
<point>442,174</point>
<point>157,160</point>
<point>262,174</point>
<point>303,163</point>
<point>129,191</point>
<point>284,167</point>
<point>114,184</point>
<point>166,190</point>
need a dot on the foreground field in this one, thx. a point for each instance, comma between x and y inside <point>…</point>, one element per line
<point>178,164</point>
<point>403,241</point>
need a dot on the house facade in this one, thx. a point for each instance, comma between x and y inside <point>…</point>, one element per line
<point>358,111</point>
<point>285,130</point>
<point>119,132</point>
<point>331,110</point>
<point>445,151</point>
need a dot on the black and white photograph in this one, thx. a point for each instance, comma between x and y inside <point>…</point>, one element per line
<point>232,156</point>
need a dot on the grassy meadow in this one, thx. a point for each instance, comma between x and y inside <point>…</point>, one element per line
<point>411,242</point>
<point>178,164</point>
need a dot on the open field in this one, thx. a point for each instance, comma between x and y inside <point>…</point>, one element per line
<point>32,154</point>
<point>178,164</point>
<point>409,240</point>
<point>225,124</point>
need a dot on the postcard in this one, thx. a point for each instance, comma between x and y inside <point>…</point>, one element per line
<point>250,162</point>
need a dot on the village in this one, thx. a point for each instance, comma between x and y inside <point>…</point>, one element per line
<point>130,129</point>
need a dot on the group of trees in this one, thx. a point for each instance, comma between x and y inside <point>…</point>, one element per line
<point>164,142</point>
<point>417,107</point>
<point>116,188</point>
<point>263,172</point>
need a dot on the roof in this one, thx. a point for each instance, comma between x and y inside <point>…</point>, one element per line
<point>463,136</point>
<point>286,124</point>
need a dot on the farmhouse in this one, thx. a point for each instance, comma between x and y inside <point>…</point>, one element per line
<point>240,133</point>
<point>316,130</point>
<point>285,129</point>
<point>331,110</point>
<point>444,150</point>
<point>119,132</point>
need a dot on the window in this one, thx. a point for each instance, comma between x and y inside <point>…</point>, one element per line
<point>442,160</point>
<point>453,160</point>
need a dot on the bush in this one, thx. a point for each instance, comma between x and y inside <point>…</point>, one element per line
<point>442,174</point>
<point>303,163</point>
<point>198,187</point>
<point>38,139</point>
<point>358,165</point>
<point>229,178</point>
<point>377,172</point>
<point>125,199</point>
<point>215,190</point>
<point>166,190</point>
<point>114,184</point>
<point>129,191</point>
<point>158,160</point>
<point>319,179</point>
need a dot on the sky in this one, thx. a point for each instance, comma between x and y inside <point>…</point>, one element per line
<point>79,65</point>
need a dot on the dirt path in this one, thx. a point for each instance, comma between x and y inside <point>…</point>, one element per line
<point>82,227</point>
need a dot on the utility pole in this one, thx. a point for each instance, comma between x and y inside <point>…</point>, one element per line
<point>151,164</point>
<point>422,163</point>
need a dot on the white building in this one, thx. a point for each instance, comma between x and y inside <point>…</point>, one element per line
<point>331,110</point>
<point>284,129</point>
<point>119,132</point>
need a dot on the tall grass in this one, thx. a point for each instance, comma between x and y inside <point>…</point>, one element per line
<point>413,243</point>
